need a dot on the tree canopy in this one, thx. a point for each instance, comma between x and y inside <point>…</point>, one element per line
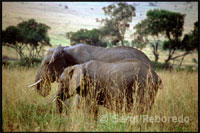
<point>29,34</point>
<point>34,32</point>
<point>91,37</point>
<point>119,17</point>
<point>158,23</point>
<point>167,22</point>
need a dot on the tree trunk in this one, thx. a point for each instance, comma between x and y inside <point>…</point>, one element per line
<point>156,58</point>
<point>155,51</point>
<point>181,62</point>
<point>171,52</point>
<point>19,50</point>
<point>122,41</point>
<point>170,57</point>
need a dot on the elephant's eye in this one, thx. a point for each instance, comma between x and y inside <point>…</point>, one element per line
<point>47,63</point>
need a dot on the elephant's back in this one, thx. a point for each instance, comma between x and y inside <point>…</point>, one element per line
<point>127,70</point>
<point>84,53</point>
<point>120,53</point>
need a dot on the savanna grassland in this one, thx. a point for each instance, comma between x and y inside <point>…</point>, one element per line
<point>24,110</point>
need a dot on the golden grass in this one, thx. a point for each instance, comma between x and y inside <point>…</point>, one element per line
<point>24,110</point>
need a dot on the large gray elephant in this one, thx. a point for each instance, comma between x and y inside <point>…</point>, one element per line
<point>127,83</point>
<point>60,57</point>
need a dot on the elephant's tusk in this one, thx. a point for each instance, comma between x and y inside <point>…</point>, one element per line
<point>35,83</point>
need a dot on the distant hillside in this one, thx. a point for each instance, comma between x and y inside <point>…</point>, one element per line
<point>63,17</point>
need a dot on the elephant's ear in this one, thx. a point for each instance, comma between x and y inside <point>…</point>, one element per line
<point>57,54</point>
<point>76,77</point>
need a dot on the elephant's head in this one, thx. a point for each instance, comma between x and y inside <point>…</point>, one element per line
<point>51,68</point>
<point>71,81</point>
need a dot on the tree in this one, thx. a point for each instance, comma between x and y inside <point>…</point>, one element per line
<point>189,43</point>
<point>35,35</point>
<point>139,42</point>
<point>27,34</point>
<point>145,34</point>
<point>91,37</point>
<point>120,16</point>
<point>110,32</point>
<point>158,23</point>
<point>12,37</point>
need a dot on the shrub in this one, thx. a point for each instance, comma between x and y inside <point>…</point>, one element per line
<point>24,62</point>
<point>158,65</point>
<point>29,61</point>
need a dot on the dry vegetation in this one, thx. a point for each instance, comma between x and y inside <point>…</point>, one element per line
<point>25,110</point>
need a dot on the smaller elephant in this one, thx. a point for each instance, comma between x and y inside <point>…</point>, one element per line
<point>123,85</point>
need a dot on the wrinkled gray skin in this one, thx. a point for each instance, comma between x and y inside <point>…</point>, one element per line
<point>116,80</point>
<point>59,58</point>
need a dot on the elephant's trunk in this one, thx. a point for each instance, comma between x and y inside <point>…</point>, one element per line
<point>42,83</point>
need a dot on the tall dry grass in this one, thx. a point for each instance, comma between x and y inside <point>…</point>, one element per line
<point>24,110</point>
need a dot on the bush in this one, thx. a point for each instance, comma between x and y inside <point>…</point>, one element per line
<point>187,69</point>
<point>190,69</point>
<point>24,62</point>
<point>29,61</point>
<point>158,65</point>
<point>5,63</point>
<point>91,37</point>
<point>161,66</point>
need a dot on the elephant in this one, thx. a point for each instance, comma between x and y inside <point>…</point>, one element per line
<point>57,59</point>
<point>123,85</point>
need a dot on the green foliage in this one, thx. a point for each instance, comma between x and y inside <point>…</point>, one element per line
<point>120,15</point>
<point>11,35</point>
<point>34,32</point>
<point>191,40</point>
<point>126,43</point>
<point>188,43</point>
<point>173,44</point>
<point>29,61</point>
<point>27,34</point>
<point>188,68</point>
<point>13,38</point>
<point>23,62</point>
<point>161,22</point>
<point>158,66</point>
<point>139,42</point>
<point>167,22</point>
<point>162,66</point>
<point>110,31</point>
<point>157,23</point>
<point>91,37</point>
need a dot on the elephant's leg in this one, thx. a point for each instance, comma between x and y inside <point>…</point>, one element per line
<point>59,105</point>
<point>59,100</point>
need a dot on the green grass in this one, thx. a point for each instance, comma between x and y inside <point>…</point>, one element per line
<point>56,40</point>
